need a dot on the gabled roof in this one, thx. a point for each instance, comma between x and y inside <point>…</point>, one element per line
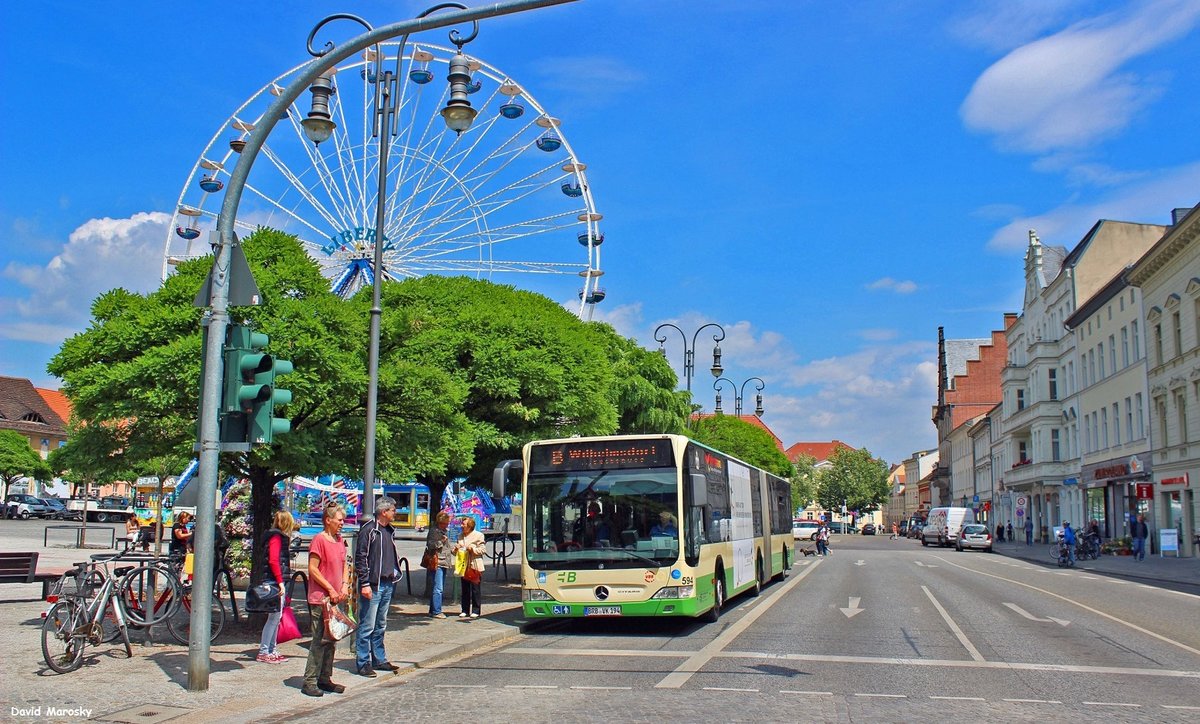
<point>22,409</point>
<point>752,419</point>
<point>821,451</point>
<point>57,402</point>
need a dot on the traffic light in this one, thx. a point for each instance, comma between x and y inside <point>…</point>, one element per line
<point>249,397</point>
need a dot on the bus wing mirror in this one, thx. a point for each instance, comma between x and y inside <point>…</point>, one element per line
<point>699,489</point>
<point>501,476</point>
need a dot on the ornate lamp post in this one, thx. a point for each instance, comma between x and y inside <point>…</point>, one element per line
<point>689,353</point>
<point>318,125</point>
<point>739,394</point>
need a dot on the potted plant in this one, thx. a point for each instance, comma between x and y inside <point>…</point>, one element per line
<point>1118,546</point>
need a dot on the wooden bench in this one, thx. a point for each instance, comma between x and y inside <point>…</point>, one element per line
<point>22,568</point>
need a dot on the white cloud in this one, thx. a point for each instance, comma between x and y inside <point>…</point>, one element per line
<point>625,318</point>
<point>1067,90</point>
<point>1001,25</point>
<point>98,256</point>
<point>878,335</point>
<point>1148,202</point>
<point>896,285</point>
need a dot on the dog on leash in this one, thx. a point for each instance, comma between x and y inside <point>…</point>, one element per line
<point>808,552</point>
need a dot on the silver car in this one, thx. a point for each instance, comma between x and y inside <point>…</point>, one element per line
<point>975,535</point>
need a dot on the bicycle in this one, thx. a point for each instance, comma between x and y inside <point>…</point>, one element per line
<point>152,592</point>
<point>1088,548</point>
<point>82,601</point>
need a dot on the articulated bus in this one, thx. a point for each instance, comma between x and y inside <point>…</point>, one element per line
<point>646,525</point>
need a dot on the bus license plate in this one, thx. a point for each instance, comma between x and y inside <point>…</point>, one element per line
<point>602,611</point>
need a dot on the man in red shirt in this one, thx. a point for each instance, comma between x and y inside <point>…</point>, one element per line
<point>328,578</point>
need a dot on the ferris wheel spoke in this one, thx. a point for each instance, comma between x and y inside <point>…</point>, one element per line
<point>495,236</point>
<point>283,209</point>
<point>300,188</point>
<point>524,267</point>
<point>352,184</point>
<point>337,194</point>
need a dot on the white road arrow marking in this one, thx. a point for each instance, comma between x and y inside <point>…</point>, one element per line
<point>860,562</point>
<point>853,610</point>
<point>925,565</point>
<point>1031,617</point>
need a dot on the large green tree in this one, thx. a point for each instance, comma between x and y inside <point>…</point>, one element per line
<point>804,481</point>
<point>18,460</point>
<point>854,478</point>
<point>529,368</point>
<point>743,440</point>
<point>643,387</point>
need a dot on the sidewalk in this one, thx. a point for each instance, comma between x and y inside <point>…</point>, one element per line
<point>113,688</point>
<point>1153,568</point>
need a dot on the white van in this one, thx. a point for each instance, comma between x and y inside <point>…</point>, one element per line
<point>943,524</point>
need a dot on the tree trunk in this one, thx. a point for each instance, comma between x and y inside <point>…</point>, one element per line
<point>262,512</point>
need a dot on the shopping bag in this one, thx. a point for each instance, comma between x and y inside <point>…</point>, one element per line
<point>460,563</point>
<point>471,575</point>
<point>289,629</point>
<point>429,561</point>
<point>337,624</point>
<point>188,562</point>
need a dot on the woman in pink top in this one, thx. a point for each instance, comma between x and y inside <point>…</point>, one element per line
<point>328,577</point>
<point>278,541</point>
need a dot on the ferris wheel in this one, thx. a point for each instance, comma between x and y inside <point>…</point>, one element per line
<point>507,196</point>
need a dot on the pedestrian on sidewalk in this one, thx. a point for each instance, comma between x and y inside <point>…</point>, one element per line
<point>438,543</point>
<point>1029,531</point>
<point>277,543</point>
<point>1010,533</point>
<point>375,564</point>
<point>999,533</point>
<point>328,578</point>
<point>1141,532</point>
<point>472,544</point>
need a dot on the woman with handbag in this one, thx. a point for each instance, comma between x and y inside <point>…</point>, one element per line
<point>436,562</point>
<point>277,571</point>
<point>471,545</point>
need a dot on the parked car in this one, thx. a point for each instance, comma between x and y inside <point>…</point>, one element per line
<point>868,529</point>
<point>805,529</point>
<point>975,535</point>
<point>26,506</point>
<point>58,510</point>
<point>943,525</point>
<point>842,527</point>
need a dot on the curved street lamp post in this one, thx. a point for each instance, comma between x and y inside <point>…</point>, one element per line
<point>689,353</point>
<point>739,395</point>
<point>217,319</point>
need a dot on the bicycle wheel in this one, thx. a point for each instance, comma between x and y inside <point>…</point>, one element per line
<point>149,594</point>
<point>180,622</point>
<point>1054,551</point>
<point>61,647</point>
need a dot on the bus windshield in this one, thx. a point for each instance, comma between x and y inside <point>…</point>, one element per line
<point>602,519</point>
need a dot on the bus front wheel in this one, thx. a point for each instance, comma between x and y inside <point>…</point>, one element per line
<point>714,613</point>
<point>758,578</point>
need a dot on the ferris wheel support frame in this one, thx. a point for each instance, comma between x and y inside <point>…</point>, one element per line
<point>217,320</point>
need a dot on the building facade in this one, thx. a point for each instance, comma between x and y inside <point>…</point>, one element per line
<point>1169,278</point>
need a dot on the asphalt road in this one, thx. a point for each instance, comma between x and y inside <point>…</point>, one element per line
<point>881,629</point>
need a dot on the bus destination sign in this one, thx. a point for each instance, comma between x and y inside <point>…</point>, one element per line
<point>601,455</point>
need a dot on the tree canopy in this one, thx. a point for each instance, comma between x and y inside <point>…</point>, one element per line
<point>18,460</point>
<point>855,478</point>
<point>743,440</point>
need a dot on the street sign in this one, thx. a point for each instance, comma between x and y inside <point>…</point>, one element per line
<point>1145,491</point>
<point>975,499</point>
<point>1021,501</point>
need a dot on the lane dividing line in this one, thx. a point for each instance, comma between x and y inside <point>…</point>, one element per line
<point>602,688</point>
<point>530,651</point>
<point>1032,701</point>
<point>680,675</point>
<point>883,696</point>
<point>460,686</point>
<point>1110,617</point>
<point>1186,708</point>
<point>962,637</point>
<point>1110,703</point>
<point>807,693</point>
<point>959,698</point>
<point>723,688</point>
<point>530,686</point>
<point>961,664</point>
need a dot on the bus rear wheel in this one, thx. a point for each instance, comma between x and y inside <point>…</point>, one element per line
<point>758,578</point>
<point>714,613</point>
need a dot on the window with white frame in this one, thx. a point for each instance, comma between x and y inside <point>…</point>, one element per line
<point>1137,341</point>
<point>1129,419</point>
<point>1052,380</point>
<point>1112,353</point>
<point>1160,411</point>
<point>1124,346</point>
<point>1104,427</point>
<point>1116,418</point>
<point>1139,415</point>
<point>1100,355</point>
<point>1158,345</point>
<point>1055,445</point>
<point>1181,415</point>
<point>1177,334</point>
<point>1087,433</point>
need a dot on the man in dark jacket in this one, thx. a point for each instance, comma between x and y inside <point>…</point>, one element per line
<point>1141,532</point>
<point>375,566</point>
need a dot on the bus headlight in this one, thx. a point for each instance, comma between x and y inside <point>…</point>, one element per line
<point>536,594</point>
<point>675,592</point>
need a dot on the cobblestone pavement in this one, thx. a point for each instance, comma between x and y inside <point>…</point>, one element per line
<point>110,687</point>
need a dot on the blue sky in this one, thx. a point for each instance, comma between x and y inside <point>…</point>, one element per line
<point>831,182</point>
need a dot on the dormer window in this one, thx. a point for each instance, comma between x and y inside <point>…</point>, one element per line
<point>33,417</point>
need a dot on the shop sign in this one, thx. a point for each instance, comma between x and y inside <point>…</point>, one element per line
<point>1168,540</point>
<point>1071,481</point>
<point>1178,480</point>
<point>1136,467</point>
<point>1145,491</point>
<point>1119,470</point>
